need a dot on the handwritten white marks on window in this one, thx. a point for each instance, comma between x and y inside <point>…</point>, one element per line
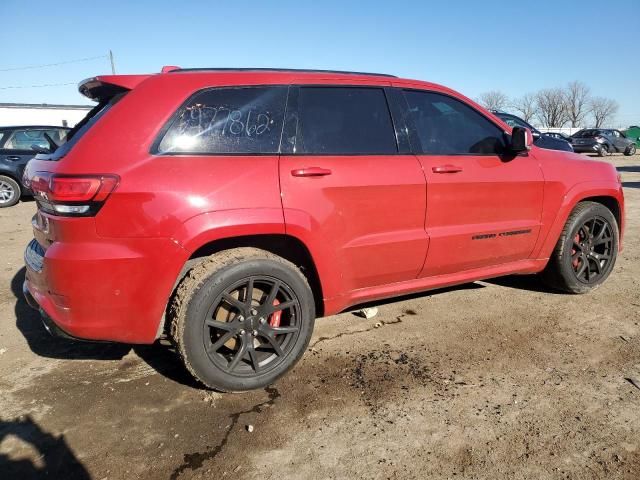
<point>206,120</point>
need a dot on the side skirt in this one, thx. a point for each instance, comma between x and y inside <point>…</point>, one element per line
<point>337,304</point>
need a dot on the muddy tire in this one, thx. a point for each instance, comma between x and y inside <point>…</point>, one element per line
<point>241,319</point>
<point>586,251</point>
<point>9,192</point>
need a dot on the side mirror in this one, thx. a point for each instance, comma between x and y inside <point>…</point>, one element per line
<point>521,140</point>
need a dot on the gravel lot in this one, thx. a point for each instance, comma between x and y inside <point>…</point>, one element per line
<point>498,379</point>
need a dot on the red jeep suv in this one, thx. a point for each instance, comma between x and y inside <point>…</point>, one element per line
<point>231,207</point>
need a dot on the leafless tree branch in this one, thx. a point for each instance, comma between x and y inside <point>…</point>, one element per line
<point>551,107</point>
<point>494,100</point>
<point>578,100</point>
<point>603,111</point>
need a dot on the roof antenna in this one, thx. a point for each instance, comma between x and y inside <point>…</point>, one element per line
<point>113,65</point>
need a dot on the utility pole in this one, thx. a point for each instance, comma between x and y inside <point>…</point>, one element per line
<point>113,66</point>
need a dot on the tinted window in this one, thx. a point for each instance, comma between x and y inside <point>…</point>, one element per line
<point>228,120</point>
<point>446,126</point>
<point>344,121</point>
<point>587,133</point>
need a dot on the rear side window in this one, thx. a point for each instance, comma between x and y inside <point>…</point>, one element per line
<point>25,139</point>
<point>228,121</point>
<point>344,121</point>
<point>446,126</point>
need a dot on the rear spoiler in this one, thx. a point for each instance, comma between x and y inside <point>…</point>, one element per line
<point>106,86</point>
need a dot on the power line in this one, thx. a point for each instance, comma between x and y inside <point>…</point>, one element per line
<point>31,67</point>
<point>39,86</point>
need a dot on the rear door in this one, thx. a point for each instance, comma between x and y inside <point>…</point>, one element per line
<point>349,189</point>
<point>619,140</point>
<point>483,206</point>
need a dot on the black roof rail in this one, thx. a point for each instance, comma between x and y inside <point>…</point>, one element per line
<point>293,70</point>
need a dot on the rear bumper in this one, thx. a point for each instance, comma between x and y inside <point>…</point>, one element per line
<point>593,148</point>
<point>48,324</point>
<point>107,290</point>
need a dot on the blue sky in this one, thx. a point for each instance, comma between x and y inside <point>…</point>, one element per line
<point>475,46</point>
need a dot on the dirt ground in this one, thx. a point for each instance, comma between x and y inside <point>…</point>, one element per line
<point>491,380</point>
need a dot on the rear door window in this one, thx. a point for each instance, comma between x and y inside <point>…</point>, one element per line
<point>344,121</point>
<point>25,139</point>
<point>245,120</point>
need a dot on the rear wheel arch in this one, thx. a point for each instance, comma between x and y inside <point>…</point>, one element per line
<point>285,246</point>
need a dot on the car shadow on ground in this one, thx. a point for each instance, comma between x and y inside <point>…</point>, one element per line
<point>404,298</point>
<point>531,283</point>
<point>55,458</point>
<point>161,357</point>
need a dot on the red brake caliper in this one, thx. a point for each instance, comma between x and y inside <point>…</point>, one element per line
<point>573,250</point>
<point>274,319</point>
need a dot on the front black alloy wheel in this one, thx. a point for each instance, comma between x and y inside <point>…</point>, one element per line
<point>242,318</point>
<point>586,251</point>
<point>631,150</point>
<point>592,249</point>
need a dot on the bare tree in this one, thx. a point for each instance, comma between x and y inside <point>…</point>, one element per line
<point>603,110</point>
<point>551,107</point>
<point>525,106</point>
<point>494,100</point>
<point>578,99</point>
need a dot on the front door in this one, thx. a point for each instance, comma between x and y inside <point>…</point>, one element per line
<point>483,206</point>
<point>349,192</point>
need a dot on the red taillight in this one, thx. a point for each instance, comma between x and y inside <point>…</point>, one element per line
<point>72,194</point>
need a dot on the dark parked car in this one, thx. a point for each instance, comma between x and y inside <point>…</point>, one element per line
<point>540,140</point>
<point>17,146</point>
<point>602,141</point>
<point>558,135</point>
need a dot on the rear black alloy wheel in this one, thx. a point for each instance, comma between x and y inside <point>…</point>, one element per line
<point>252,326</point>
<point>242,318</point>
<point>592,249</point>
<point>631,150</point>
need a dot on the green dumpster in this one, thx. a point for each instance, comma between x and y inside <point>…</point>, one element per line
<point>633,133</point>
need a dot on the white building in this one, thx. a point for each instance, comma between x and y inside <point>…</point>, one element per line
<point>41,114</point>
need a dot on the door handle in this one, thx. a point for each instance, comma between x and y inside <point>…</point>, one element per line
<point>446,169</point>
<point>311,172</point>
<point>13,158</point>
